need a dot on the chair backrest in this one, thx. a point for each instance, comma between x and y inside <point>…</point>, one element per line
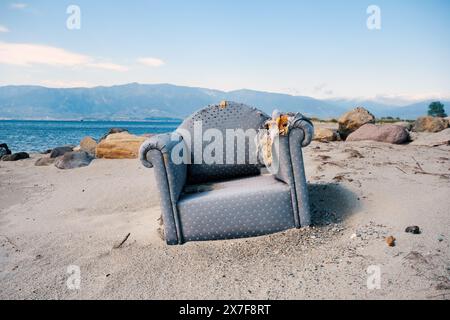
<point>223,116</point>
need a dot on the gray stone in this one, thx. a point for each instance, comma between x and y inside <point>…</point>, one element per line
<point>413,230</point>
<point>15,156</point>
<point>4,150</point>
<point>74,159</point>
<point>60,151</point>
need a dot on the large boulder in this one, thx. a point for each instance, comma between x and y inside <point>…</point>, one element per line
<point>119,146</point>
<point>353,120</point>
<point>74,159</point>
<point>385,133</point>
<point>325,134</point>
<point>430,124</point>
<point>89,145</point>
<point>60,151</point>
<point>112,131</point>
<point>4,150</point>
<point>433,139</point>
<point>15,156</point>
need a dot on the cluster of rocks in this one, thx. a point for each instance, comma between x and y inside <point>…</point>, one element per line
<point>116,144</point>
<point>7,155</point>
<point>360,125</point>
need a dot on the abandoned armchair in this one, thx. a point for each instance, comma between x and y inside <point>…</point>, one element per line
<point>211,180</point>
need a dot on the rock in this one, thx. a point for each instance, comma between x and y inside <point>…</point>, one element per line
<point>15,156</point>
<point>44,161</point>
<point>430,124</point>
<point>385,133</point>
<point>119,146</point>
<point>74,159</point>
<point>432,139</point>
<point>325,134</point>
<point>4,150</point>
<point>413,230</point>
<point>60,151</point>
<point>390,241</point>
<point>112,131</point>
<point>407,125</point>
<point>353,120</point>
<point>88,144</point>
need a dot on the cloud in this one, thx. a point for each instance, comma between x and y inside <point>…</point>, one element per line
<point>404,98</point>
<point>322,89</point>
<point>3,29</point>
<point>397,100</point>
<point>19,6</point>
<point>151,62</point>
<point>25,54</point>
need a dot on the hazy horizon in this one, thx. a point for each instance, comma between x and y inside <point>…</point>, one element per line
<point>394,101</point>
<point>322,49</point>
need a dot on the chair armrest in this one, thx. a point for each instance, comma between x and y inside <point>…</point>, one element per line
<point>156,152</point>
<point>291,167</point>
<point>162,142</point>
<point>298,121</point>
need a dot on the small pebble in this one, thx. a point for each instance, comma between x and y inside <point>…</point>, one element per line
<point>390,241</point>
<point>413,230</point>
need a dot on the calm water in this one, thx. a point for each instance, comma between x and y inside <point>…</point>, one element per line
<point>42,135</point>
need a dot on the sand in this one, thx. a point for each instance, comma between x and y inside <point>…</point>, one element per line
<point>51,219</point>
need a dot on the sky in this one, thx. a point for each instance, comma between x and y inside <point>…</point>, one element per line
<point>322,49</point>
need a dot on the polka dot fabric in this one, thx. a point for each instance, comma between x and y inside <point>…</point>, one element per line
<point>232,116</point>
<point>238,201</point>
<point>239,208</point>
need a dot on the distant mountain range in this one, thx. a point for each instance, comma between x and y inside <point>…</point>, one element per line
<point>142,101</point>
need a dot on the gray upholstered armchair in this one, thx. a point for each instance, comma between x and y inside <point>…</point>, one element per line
<point>223,200</point>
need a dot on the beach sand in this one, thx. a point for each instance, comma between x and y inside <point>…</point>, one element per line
<point>360,193</point>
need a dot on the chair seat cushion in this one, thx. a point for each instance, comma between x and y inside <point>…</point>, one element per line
<point>237,208</point>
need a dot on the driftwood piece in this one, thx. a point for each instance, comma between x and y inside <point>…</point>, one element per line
<point>421,171</point>
<point>117,246</point>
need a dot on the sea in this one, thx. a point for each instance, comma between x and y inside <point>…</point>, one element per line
<point>41,135</point>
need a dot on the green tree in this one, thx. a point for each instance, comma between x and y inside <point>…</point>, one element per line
<point>436,109</point>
